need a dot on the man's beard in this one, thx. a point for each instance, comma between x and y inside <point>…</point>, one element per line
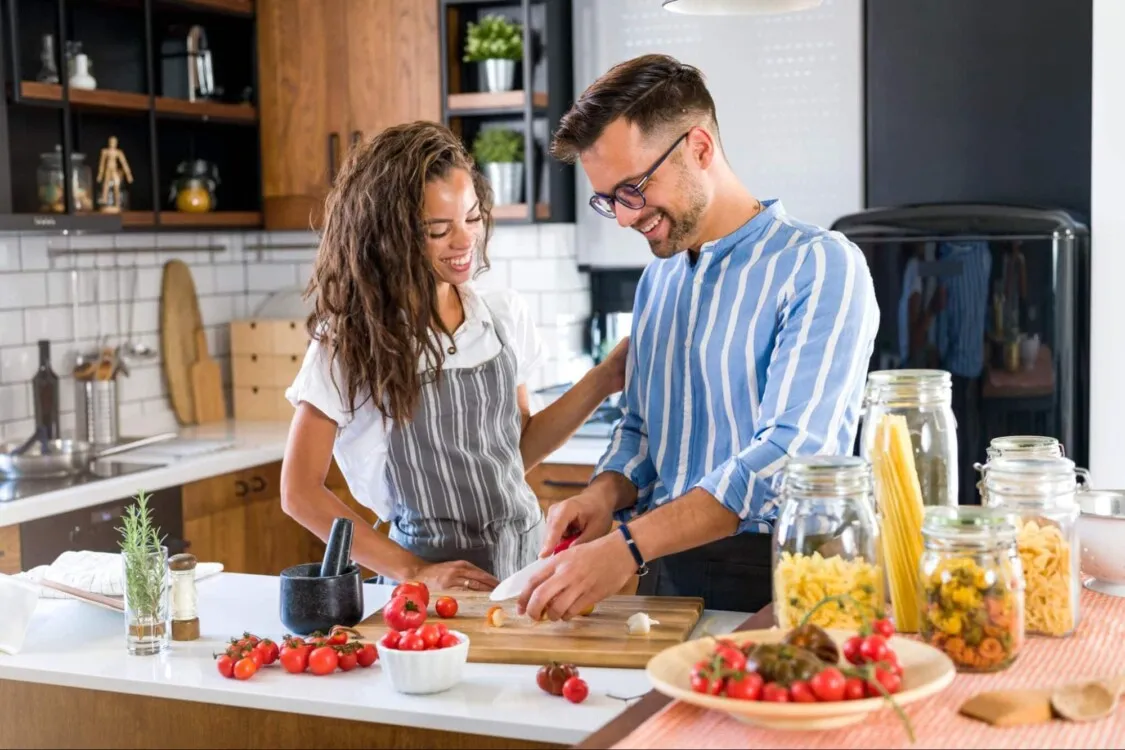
<point>680,228</point>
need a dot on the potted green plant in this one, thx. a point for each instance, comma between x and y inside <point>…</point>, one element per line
<point>499,152</point>
<point>495,43</point>
<point>144,566</point>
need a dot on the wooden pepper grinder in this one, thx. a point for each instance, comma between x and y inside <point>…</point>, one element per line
<point>185,604</point>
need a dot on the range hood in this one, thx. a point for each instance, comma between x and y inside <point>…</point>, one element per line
<point>737,7</point>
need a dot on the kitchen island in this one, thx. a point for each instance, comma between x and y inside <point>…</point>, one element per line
<point>74,685</point>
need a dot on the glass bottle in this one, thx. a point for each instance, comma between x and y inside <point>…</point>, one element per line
<point>917,404</point>
<point>45,392</point>
<point>1043,493</point>
<point>827,544</point>
<point>972,586</point>
<point>185,603</point>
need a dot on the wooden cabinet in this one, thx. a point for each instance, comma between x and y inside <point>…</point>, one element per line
<point>330,73</point>
<point>554,482</point>
<point>10,550</point>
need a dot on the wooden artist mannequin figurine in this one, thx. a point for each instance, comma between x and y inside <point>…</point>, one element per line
<point>110,169</point>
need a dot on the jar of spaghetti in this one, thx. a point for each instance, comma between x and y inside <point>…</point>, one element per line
<point>1043,493</point>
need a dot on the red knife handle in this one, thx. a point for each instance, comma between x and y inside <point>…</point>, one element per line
<point>565,543</point>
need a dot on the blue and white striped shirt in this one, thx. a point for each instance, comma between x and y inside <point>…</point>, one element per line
<point>756,352</point>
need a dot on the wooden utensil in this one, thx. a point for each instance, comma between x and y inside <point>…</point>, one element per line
<point>1088,701</point>
<point>206,384</point>
<point>599,640</point>
<point>115,603</point>
<point>179,320</point>
<point>1079,701</point>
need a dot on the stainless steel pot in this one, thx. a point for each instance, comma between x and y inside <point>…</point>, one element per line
<point>506,179</point>
<point>62,458</point>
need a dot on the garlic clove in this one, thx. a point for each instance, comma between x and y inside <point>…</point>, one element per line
<point>640,623</point>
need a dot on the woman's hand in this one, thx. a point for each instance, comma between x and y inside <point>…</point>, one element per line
<point>612,368</point>
<point>458,574</point>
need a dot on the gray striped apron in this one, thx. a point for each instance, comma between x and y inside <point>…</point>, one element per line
<point>456,475</point>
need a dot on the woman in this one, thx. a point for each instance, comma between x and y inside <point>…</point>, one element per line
<point>442,449</point>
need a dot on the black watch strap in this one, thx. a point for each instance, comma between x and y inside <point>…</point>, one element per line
<point>642,566</point>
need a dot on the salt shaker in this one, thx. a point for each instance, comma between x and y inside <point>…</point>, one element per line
<point>185,611</point>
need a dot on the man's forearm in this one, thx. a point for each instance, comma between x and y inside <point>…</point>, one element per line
<point>690,521</point>
<point>615,487</point>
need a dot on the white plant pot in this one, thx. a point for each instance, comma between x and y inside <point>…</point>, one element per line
<point>496,75</point>
<point>506,179</point>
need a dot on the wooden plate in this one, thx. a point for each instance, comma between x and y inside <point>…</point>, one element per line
<point>926,671</point>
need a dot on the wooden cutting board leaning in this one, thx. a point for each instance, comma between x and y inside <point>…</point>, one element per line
<point>206,384</point>
<point>179,320</point>
<point>598,640</point>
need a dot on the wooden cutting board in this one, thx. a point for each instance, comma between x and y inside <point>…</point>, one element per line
<point>179,320</point>
<point>599,640</point>
<point>206,384</point>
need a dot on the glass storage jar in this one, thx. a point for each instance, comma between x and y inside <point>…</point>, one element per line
<point>1024,446</point>
<point>1043,493</point>
<point>917,404</point>
<point>50,182</point>
<point>826,544</point>
<point>193,189</point>
<point>972,586</point>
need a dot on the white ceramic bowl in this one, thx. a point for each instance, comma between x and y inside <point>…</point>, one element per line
<point>423,672</point>
<point>1101,528</point>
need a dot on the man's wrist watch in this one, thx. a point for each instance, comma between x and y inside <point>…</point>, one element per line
<point>642,566</point>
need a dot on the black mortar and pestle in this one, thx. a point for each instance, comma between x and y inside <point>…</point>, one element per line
<point>316,596</point>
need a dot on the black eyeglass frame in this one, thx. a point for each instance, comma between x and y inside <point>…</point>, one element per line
<point>604,203</point>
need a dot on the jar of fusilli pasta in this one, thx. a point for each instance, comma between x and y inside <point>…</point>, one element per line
<point>1043,492</point>
<point>827,548</point>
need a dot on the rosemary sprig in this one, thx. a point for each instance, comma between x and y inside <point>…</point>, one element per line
<point>141,547</point>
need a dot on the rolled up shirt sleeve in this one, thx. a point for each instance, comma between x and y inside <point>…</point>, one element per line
<point>814,382</point>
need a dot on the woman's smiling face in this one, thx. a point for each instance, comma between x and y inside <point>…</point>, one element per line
<point>454,226</point>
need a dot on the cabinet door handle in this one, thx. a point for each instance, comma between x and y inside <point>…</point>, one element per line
<point>257,484</point>
<point>333,150</point>
<point>357,136</point>
<point>241,489</point>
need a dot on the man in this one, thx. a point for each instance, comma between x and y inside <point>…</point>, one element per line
<point>750,341</point>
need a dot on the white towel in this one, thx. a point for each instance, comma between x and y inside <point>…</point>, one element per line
<point>96,572</point>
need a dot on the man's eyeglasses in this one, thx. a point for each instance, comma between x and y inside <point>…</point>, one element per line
<point>630,195</point>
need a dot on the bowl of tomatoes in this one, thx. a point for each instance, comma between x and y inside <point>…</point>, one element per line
<point>423,660</point>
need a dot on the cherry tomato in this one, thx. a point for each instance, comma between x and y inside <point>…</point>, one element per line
<point>851,649</point>
<point>774,693</point>
<point>883,627</point>
<point>404,611</point>
<point>226,665</point>
<point>446,606</point>
<point>552,676</point>
<point>890,681</point>
<point>348,661</point>
<point>418,588</point>
<point>268,651</point>
<point>703,682</point>
<point>367,655</point>
<point>339,638</point>
<point>575,689</point>
<point>323,660</point>
<point>256,656</point>
<point>748,687</point>
<point>295,660</point>
<point>448,640</point>
<point>441,627</point>
<point>800,692</point>
<point>430,636</point>
<point>892,663</point>
<point>873,648</point>
<point>390,639</point>
<point>412,642</point>
<point>245,668</point>
<point>828,684</point>
<point>732,657</point>
<point>854,689</point>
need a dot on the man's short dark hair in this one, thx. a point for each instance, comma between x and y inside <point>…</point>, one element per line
<point>653,92</point>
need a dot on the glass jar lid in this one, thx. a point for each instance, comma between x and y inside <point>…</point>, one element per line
<point>907,387</point>
<point>54,158</point>
<point>970,524</point>
<point>827,475</point>
<point>1030,478</point>
<point>1025,445</point>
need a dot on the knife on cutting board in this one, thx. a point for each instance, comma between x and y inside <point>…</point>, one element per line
<point>513,585</point>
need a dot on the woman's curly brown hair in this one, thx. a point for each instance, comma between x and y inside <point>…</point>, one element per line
<point>373,281</point>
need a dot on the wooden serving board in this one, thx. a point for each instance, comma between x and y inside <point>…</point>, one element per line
<point>599,640</point>
<point>179,320</point>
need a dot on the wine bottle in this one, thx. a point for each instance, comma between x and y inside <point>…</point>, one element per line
<point>45,393</point>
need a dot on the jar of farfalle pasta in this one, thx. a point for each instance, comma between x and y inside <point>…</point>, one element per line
<point>1042,491</point>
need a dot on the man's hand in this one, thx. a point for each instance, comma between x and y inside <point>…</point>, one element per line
<point>578,578</point>
<point>588,514</point>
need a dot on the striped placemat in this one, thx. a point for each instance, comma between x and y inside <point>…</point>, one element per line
<point>1097,649</point>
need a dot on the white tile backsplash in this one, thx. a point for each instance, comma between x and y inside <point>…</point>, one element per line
<point>35,302</point>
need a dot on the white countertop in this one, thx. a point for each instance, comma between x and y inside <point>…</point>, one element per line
<point>74,644</point>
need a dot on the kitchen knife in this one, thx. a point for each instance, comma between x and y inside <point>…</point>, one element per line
<point>513,585</point>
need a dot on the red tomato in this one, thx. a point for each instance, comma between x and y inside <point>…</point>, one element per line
<point>441,627</point>
<point>245,668</point>
<point>323,660</point>
<point>348,661</point>
<point>748,687</point>
<point>892,663</point>
<point>256,656</point>
<point>225,665</point>
<point>339,638</point>
<point>419,589</point>
<point>268,651</point>
<point>828,684</point>
<point>446,606</point>
<point>851,649</point>
<point>703,682</point>
<point>890,681</point>
<point>873,648</point>
<point>412,642</point>
<point>575,690</point>
<point>404,611</point>
<point>884,627</point>
<point>448,640</point>
<point>430,636</point>
<point>732,657</point>
<point>390,639</point>
<point>367,655</point>
<point>854,689</point>
<point>295,660</point>
<point>800,692</point>
<point>774,693</point>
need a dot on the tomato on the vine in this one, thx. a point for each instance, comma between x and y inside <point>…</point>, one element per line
<point>245,668</point>
<point>226,665</point>
<point>883,627</point>
<point>890,682</point>
<point>446,606</point>
<point>367,655</point>
<point>775,693</point>
<point>295,660</point>
<point>347,660</point>
<point>268,651</point>
<point>854,689</point>
<point>575,689</point>
<point>800,692</point>
<point>892,663</point>
<point>828,684</point>
<point>702,680</point>
<point>747,687</point>
<point>255,655</point>
<point>851,650</point>
<point>873,648</point>
<point>339,638</point>
<point>404,611</point>
<point>732,657</point>
<point>323,660</point>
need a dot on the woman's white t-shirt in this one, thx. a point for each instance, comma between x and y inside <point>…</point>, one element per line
<point>361,438</point>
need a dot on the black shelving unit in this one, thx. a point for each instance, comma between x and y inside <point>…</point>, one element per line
<point>545,80</point>
<point>155,129</point>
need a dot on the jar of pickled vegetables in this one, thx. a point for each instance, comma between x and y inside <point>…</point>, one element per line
<point>914,404</point>
<point>972,586</point>
<point>826,544</point>
<point>1043,493</point>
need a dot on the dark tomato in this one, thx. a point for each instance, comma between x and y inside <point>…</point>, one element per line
<point>367,655</point>
<point>828,684</point>
<point>295,660</point>
<point>430,636</point>
<point>851,649</point>
<point>390,639</point>
<point>225,665</point>
<point>575,690</point>
<point>448,641</point>
<point>800,692</point>
<point>884,627</point>
<point>347,661</point>
<point>732,657</point>
<point>748,687</point>
<point>323,660</point>
<point>446,606</point>
<point>774,693</point>
<point>412,642</point>
<point>873,648</point>
<point>854,689</point>
<point>245,668</point>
